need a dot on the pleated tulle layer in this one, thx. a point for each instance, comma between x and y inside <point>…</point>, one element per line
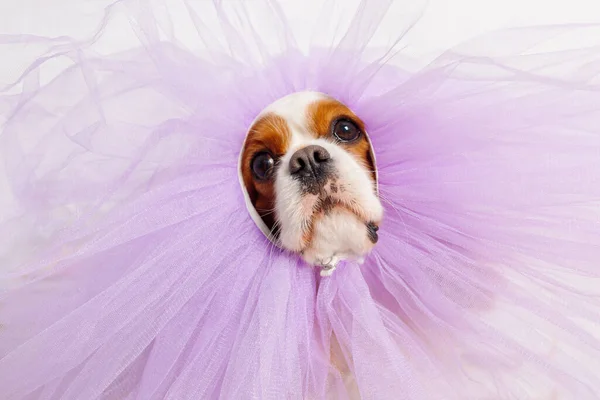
<point>131,269</point>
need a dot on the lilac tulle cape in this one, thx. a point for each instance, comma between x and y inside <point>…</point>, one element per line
<point>130,268</point>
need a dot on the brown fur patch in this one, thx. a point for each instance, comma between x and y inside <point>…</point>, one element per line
<point>270,133</point>
<point>322,114</point>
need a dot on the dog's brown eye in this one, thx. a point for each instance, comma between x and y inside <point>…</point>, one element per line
<point>345,130</point>
<point>262,166</point>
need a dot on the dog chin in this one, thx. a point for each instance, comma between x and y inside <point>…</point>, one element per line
<point>338,235</point>
<point>331,226</point>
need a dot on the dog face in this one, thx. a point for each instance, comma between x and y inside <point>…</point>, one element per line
<point>309,174</point>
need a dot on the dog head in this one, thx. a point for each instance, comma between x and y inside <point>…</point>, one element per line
<point>310,181</point>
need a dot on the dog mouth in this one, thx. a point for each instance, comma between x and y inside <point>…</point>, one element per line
<point>327,203</point>
<point>336,230</point>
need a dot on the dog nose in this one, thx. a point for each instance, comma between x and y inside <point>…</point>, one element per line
<point>309,161</point>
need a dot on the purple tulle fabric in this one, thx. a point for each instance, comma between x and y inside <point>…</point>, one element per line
<point>132,270</point>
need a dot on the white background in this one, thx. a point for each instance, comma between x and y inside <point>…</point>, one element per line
<point>444,23</point>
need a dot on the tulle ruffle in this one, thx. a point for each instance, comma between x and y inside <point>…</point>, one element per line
<point>131,269</point>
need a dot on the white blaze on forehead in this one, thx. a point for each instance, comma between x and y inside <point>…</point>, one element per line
<point>294,109</point>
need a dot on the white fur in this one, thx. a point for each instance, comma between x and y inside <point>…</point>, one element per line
<point>341,234</point>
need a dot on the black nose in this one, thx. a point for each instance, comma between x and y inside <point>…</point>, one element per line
<point>310,160</point>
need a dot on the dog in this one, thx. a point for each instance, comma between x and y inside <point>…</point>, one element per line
<point>309,174</point>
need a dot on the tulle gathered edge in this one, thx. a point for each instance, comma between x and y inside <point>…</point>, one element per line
<point>396,327</point>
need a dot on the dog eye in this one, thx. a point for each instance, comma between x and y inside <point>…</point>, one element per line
<point>346,130</point>
<point>262,166</point>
